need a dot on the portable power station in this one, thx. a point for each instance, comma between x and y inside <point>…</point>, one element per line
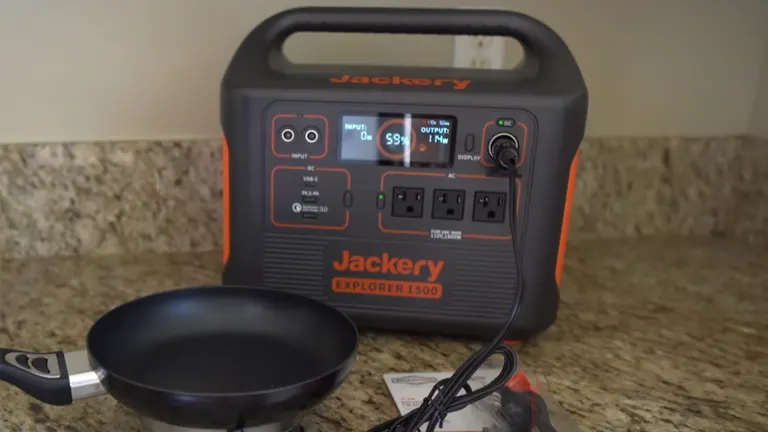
<point>377,189</point>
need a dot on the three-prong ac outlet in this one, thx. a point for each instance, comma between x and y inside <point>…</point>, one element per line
<point>448,204</point>
<point>489,207</point>
<point>407,202</point>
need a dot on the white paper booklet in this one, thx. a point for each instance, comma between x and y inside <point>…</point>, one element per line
<point>409,390</point>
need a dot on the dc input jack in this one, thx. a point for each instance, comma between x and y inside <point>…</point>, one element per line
<point>311,135</point>
<point>287,134</point>
<point>504,149</point>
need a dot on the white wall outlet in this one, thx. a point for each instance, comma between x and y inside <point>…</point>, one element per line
<point>478,52</point>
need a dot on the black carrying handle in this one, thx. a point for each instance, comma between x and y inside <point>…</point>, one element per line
<point>43,376</point>
<point>539,41</point>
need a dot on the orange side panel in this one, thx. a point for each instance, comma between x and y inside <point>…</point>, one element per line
<point>566,218</point>
<point>225,198</point>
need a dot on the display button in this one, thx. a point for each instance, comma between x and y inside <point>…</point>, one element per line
<point>348,199</point>
<point>380,201</point>
<point>469,143</point>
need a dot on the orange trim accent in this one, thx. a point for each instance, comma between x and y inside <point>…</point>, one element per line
<point>225,199</point>
<point>408,173</point>
<point>566,218</point>
<point>522,152</point>
<point>477,176</point>
<point>300,168</point>
<point>391,231</point>
<point>325,135</point>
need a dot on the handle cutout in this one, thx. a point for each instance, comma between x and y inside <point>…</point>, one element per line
<point>398,50</point>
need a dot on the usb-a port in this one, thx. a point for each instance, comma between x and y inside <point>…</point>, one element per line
<point>309,215</point>
<point>309,199</point>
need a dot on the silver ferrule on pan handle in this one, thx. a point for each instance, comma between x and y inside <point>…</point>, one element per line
<point>55,378</point>
<point>84,381</point>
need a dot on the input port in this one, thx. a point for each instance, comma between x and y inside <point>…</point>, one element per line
<point>287,134</point>
<point>311,135</point>
<point>504,149</point>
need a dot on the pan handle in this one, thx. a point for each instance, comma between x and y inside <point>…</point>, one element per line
<point>55,378</point>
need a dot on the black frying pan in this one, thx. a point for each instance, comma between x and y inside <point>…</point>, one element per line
<point>206,357</point>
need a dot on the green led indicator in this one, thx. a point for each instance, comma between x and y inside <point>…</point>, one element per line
<point>381,196</point>
<point>500,122</point>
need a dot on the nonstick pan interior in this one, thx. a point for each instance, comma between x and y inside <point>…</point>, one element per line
<point>222,357</point>
<point>221,340</point>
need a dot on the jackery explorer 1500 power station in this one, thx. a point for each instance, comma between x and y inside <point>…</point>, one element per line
<point>377,189</point>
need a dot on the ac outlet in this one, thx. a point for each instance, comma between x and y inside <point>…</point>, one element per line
<point>489,207</point>
<point>407,202</point>
<point>448,204</point>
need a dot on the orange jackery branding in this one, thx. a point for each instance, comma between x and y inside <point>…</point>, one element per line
<point>383,287</point>
<point>387,264</point>
<point>402,81</point>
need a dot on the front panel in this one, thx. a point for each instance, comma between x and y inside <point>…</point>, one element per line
<point>372,187</point>
<point>394,214</point>
<point>354,174</point>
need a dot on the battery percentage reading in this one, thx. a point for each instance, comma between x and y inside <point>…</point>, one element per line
<point>396,139</point>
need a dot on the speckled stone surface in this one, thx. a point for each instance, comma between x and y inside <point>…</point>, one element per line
<point>672,186</point>
<point>131,197</point>
<point>653,335</point>
<point>112,197</point>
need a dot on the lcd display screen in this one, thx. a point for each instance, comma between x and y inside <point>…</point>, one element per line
<point>398,139</point>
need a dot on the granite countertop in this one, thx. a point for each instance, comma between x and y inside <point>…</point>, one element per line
<point>652,335</point>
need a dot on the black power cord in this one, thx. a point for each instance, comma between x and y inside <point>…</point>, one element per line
<point>443,398</point>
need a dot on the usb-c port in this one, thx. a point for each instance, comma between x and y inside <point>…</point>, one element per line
<point>310,185</point>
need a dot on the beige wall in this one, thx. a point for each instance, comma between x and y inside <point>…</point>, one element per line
<point>94,69</point>
<point>759,124</point>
